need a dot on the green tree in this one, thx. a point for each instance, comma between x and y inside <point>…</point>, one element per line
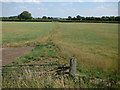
<point>74,18</point>
<point>92,18</point>
<point>25,15</point>
<point>112,18</point>
<point>117,18</point>
<point>69,17</point>
<point>13,17</point>
<point>82,18</point>
<point>78,17</point>
<point>44,17</point>
<point>49,17</point>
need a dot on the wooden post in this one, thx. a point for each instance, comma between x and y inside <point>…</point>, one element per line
<point>72,70</point>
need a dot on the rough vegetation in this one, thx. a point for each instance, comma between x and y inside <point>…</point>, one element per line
<point>55,43</point>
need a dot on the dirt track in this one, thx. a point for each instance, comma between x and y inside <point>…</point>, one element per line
<point>9,54</point>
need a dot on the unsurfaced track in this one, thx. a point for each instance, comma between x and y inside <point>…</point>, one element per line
<point>9,54</point>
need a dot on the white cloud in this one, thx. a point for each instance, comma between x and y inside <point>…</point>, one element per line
<point>101,7</point>
<point>80,0</point>
<point>74,10</point>
<point>18,1</point>
<point>22,7</point>
<point>107,6</point>
<point>107,9</point>
<point>42,9</point>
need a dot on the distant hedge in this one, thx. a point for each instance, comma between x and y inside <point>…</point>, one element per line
<point>58,20</point>
<point>27,20</point>
<point>89,21</point>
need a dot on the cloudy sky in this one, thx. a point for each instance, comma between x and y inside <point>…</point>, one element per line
<point>39,8</point>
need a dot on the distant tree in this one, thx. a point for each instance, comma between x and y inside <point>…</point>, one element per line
<point>87,18</point>
<point>50,17</point>
<point>117,18</point>
<point>112,18</point>
<point>74,18</point>
<point>25,15</point>
<point>69,17</point>
<point>82,18</point>
<point>44,17</point>
<point>97,18</point>
<point>106,18</point>
<point>78,17</point>
<point>38,18</point>
<point>5,17</point>
<point>13,17</point>
<point>92,18</point>
<point>103,18</point>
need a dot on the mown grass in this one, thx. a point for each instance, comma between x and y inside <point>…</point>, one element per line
<point>94,45</point>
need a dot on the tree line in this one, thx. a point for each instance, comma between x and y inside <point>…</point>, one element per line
<point>26,16</point>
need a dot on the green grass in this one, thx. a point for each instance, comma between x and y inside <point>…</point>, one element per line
<point>28,79</point>
<point>23,32</point>
<point>95,45</point>
<point>40,53</point>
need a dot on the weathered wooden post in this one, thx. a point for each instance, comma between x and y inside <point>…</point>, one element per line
<point>72,70</point>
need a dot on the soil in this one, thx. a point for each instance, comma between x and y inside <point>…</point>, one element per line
<point>9,54</point>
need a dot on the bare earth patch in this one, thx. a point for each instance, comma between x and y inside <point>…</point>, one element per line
<point>9,54</point>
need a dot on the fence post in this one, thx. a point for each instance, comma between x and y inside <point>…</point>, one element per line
<point>72,70</point>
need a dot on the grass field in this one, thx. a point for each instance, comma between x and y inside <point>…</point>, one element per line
<point>95,45</point>
<point>24,32</point>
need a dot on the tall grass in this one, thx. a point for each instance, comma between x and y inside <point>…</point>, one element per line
<point>93,44</point>
<point>34,79</point>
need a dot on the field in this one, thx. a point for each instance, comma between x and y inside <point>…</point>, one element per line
<point>95,45</point>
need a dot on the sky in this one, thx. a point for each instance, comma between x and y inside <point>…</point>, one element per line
<point>59,0</point>
<point>39,8</point>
